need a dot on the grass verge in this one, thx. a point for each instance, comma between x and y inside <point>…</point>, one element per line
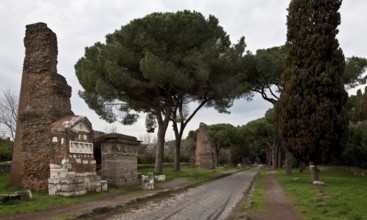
<point>253,200</point>
<point>40,200</point>
<point>343,196</point>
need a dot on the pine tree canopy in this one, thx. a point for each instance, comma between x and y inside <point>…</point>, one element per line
<point>147,62</point>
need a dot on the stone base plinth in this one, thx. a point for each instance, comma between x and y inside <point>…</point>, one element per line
<point>69,183</point>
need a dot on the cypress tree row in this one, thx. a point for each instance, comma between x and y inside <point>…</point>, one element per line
<point>310,112</point>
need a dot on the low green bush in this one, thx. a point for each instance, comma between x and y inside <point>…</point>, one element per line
<point>6,149</point>
<point>146,159</point>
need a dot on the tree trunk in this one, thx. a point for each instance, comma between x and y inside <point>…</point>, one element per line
<point>301,166</point>
<point>279,157</point>
<point>274,155</point>
<point>178,154</point>
<point>215,157</point>
<point>314,171</point>
<point>177,144</point>
<point>183,123</point>
<point>288,163</point>
<point>162,128</point>
<point>159,150</point>
<point>268,159</point>
<point>178,137</point>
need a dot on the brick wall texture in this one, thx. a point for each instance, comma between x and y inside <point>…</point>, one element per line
<point>44,97</point>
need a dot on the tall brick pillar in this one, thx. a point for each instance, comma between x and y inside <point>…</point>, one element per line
<point>205,154</point>
<point>44,98</point>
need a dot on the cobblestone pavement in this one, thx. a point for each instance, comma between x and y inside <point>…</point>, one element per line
<point>214,200</point>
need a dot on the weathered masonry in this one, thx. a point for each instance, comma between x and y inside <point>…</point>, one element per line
<point>44,98</point>
<point>73,170</point>
<point>118,158</point>
<point>53,147</point>
<point>205,154</point>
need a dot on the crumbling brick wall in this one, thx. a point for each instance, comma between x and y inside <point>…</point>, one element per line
<point>44,97</point>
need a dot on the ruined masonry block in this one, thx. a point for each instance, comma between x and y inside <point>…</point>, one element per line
<point>119,158</point>
<point>55,166</point>
<point>205,154</point>
<point>44,97</point>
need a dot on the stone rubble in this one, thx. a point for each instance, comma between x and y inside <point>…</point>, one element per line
<point>25,195</point>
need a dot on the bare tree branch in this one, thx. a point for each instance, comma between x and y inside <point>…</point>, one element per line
<point>8,111</point>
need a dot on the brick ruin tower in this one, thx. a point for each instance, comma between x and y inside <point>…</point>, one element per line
<point>44,98</point>
<point>205,154</point>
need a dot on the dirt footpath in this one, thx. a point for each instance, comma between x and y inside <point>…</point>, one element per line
<point>277,206</point>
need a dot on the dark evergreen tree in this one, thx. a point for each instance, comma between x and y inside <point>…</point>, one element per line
<point>355,152</point>
<point>223,136</point>
<point>353,73</point>
<point>263,72</point>
<point>157,64</point>
<point>310,112</point>
<point>6,149</point>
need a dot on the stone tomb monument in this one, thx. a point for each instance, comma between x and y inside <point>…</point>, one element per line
<point>48,134</point>
<point>119,155</point>
<point>204,153</point>
<point>72,142</point>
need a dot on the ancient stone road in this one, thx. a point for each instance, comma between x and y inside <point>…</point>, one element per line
<point>214,200</point>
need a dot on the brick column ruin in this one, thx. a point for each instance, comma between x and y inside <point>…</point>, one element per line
<point>44,98</point>
<point>205,154</point>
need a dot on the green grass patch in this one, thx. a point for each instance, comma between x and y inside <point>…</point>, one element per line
<point>343,196</point>
<point>258,193</point>
<point>254,200</point>
<point>42,201</point>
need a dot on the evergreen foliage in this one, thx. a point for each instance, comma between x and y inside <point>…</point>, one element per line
<point>263,72</point>
<point>360,108</point>
<point>355,152</point>
<point>310,112</point>
<point>355,68</point>
<point>222,135</point>
<point>6,149</point>
<point>156,65</point>
<point>264,69</point>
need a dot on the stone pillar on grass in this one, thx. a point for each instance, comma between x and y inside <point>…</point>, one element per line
<point>205,152</point>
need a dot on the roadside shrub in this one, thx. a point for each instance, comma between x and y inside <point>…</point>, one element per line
<point>168,159</point>
<point>146,159</point>
<point>355,151</point>
<point>185,157</point>
<point>6,150</point>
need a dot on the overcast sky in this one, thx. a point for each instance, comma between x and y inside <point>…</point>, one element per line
<point>81,23</point>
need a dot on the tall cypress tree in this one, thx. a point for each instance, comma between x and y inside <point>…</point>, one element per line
<point>310,112</point>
